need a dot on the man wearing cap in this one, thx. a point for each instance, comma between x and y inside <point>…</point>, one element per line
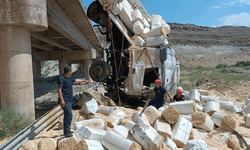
<point>160,91</point>
<point>179,96</point>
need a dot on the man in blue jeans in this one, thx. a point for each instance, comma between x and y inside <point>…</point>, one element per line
<point>65,93</point>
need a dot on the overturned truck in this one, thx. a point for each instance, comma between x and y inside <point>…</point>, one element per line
<point>137,50</point>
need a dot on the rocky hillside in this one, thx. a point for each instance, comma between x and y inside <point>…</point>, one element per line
<point>205,46</point>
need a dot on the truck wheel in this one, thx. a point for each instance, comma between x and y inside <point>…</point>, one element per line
<point>99,71</point>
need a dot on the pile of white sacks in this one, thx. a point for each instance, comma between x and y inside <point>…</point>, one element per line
<point>175,125</point>
<point>150,32</point>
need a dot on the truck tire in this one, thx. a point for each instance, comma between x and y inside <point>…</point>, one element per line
<point>99,71</point>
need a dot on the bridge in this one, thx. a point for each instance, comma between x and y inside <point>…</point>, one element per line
<point>36,31</point>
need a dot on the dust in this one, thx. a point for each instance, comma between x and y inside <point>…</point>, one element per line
<point>46,144</point>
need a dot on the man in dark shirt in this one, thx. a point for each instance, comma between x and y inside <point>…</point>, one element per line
<point>65,93</point>
<point>159,95</point>
<point>179,96</point>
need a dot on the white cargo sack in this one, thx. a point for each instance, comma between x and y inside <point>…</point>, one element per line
<point>167,27</point>
<point>230,106</point>
<point>97,123</point>
<point>181,132</point>
<point>115,118</point>
<point>145,22</point>
<point>246,110</point>
<point>185,107</point>
<point>194,95</point>
<point>136,15</point>
<point>121,130</point>
<point>163,128</point>
<point>203,92</point>
<point>116,7</point>
<point>247,120</point>
<point>186,94</point>
<point>145,31</point>
<point>188,117</point>
<point>196,145</point>
<point>156,41</point>
<point>106,110</point>
<point>158,31</point>
<point>114,141</point>
<point>138,41</point>
<point>156,21</point>
<point>162,108</point>
<point>199,133</point>
<point>129,125</point>
<point>94,145</point>
<point>170,143</point>
<point>247,101</point>
<point>138,27</point>
<point>217,117</point>
<point>152,114</point>
<point>209,98</point>
<point>89,133</point>
<point>211,107</point>
<point>126,15</point>
<point>136,115</point>
<point>203,121</point>
<point>200,108</point>
<point>89,107</point>
<point>146,135</point>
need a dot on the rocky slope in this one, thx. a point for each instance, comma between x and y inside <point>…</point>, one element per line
<point>205,46</point>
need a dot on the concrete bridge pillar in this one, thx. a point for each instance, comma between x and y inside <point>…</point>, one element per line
<point>36,69</point>
<point>17,19</point>
<point>62,64</point>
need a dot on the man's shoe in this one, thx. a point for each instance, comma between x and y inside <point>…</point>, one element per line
<point>68,134</point>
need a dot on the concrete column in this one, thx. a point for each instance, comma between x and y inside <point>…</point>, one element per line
<point>17,19</point>
<point>62,64</point>
<point>85,67</point>
<point>36,69</point>
<point>17,89</point>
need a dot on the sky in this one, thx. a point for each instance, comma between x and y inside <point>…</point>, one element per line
<point>212,13</point>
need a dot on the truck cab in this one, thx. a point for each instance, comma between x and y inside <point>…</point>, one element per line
<point>126,67</point>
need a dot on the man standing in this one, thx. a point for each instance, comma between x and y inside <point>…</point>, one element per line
<point>65,93</point>
<point>159,94</point>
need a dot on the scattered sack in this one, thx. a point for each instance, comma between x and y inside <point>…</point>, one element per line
<point>162,108</point>
<point>156,21</point>
<point>229,120</point>
<point>97,123</point>
<point>230,106</point>
<point>137,15</point>
<point>47,144</point>
<point>121,130</point>
<point>156,41</point>
<point>211,107</point>
<point>138,41</point>
<point>88,145</point>
<point>106,110</point>
<point>171,114</point>
<point>209,98</point>
<point>200,108</point>
<point>195,145</point>
<point>181,132</point>
<point>247,101</point>
<point>170,143</point>
<point>163,128</point>
<point>89,108</point>
<point>146,135</point>
<point>246,110</point>
<point>129,125</point>
<point>194,95</point>
<point>186,107</point>
<point>136,115</point>
<point>66,143</point>
<point>158,31</point>
<point>89,133</point>
<point>115,118</point>
<point>114,141</point>
<point>152,114</point>
<point>138,27</point>
<point>247,120</point>
<point>217,117</point>
<point>201,120</point>
<point>200,133</point>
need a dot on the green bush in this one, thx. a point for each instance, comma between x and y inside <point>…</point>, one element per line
<point>224,71</point>
<point>12,123</point>
<point>221,66</point>
<point>241,65</point>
